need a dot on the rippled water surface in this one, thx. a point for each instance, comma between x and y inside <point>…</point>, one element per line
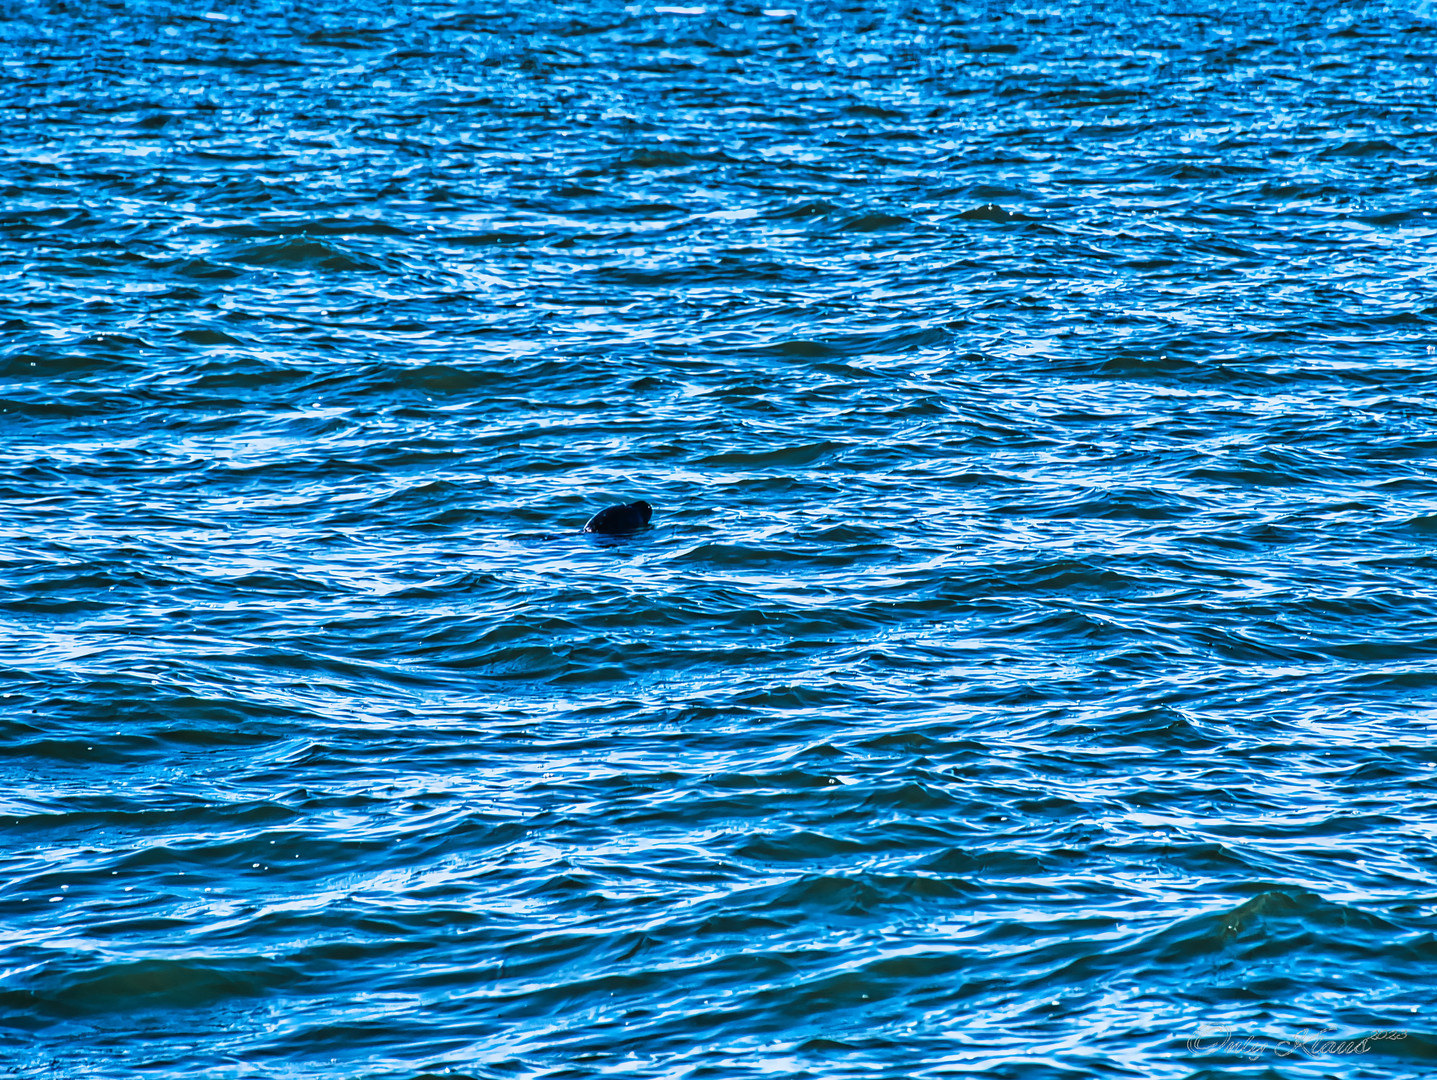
<point>1032,666</point>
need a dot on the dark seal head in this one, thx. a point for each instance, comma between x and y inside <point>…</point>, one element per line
<point>616,520</point>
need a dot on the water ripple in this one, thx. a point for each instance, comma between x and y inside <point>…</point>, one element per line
<point>1033,666</point>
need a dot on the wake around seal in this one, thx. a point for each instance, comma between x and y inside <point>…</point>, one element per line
<point>617,520</point>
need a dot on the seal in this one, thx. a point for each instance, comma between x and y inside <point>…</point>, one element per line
<point>617,520</point>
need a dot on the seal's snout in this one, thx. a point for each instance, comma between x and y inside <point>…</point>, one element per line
<point>617,520</point>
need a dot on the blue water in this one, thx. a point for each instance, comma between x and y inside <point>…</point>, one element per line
<point>1031,670</point>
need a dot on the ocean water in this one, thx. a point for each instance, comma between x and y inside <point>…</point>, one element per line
<point>1031,670</point>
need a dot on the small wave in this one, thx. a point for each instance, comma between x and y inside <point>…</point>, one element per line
<point>156,985</point>
<point>873,222</point>
<point>784,457</point>
<point>303,253</point>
